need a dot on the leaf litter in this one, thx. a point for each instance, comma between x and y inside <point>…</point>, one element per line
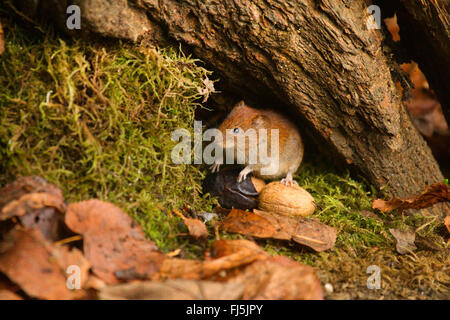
<point>261,224</point>
<point>117,261</point>
<point>437,192</point>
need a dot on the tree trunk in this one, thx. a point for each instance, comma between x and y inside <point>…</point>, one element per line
<point>315,59</point>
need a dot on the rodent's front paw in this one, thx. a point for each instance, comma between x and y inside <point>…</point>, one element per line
<point>243,174</point>
<point>215,167</point>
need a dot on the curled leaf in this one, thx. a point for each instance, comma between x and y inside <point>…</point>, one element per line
<point>261,224</point>
<point>40,268</point>
<point>197,228</point>
<point>2,40</point>
<point>114,243</point>
<point>36,203</point>
<point>25,185</point>
<point>280,278</point>
<point>432,194</point>
<point>9,295</point>
<point>405,240</point>
<point>224,255</point>
<point>447,222</point>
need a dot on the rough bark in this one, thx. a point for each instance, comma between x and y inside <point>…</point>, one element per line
<point>316,59</point>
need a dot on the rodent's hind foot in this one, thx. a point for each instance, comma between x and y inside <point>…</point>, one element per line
<point>289,181</point>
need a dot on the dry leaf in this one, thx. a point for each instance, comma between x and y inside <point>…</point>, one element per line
<point>36,203</point>
<point>197,229</point>
<point>223,255</point>
<point>244,263</point>
<point>447,222</point>
<point>25,185</point>
<point>280,278</point>
<point>9,295</point>
<point>405,240</point>
<point>114,243</point>
<point>39,267</point>
<point>173,290</point>
<point>32,202</point>
<point>393,28</point>
<point>305,231</point>
<point>432,194</point>
<point>222,248</point>
<point>2,40</point>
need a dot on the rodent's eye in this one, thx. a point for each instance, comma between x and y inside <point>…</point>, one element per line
<point>236,130</point>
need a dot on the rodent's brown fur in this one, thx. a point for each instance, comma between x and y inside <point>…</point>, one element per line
<point>290,142</point>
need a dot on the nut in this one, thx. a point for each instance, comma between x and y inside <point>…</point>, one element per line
<point>258,184</point>
<point>286,200</point>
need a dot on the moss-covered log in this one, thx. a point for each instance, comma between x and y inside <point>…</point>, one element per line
<point>315,59</point>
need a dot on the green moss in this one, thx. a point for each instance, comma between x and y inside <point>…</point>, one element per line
<point>97,120</point>
<point>341,199</point>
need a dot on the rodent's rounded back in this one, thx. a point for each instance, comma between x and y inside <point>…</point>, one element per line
<point>245,117</point>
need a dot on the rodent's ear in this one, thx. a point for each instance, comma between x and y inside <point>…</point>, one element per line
<point>260,122</point>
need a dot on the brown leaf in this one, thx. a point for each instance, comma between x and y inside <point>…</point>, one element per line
<point>223,255</point>
<point>405,240</point>
<point>9,295</point>
<point>25,185</point>
<point>39,267</point>
<point>175,268</point>
<point>36,203</point>
<point>244,263</point>
<point>244,271</point>
<point>432,194</point>
<point>280,278</point>
<point>267,277</point>
<point>48,220</point>
<point>261,224</point>
<point>197,229</point>
<point>222,248</point>
<point>174,290</point>
<point>31,202</point>
<point>2,40</point>
<point>114,243</point>
<point>447,222</point>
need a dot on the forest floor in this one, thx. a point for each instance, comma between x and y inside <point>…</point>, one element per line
<point>96,119</point>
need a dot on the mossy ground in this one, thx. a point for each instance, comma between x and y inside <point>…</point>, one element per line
<point>97,119</point>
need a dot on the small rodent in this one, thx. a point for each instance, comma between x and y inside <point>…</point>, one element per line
<point>290,147</point>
